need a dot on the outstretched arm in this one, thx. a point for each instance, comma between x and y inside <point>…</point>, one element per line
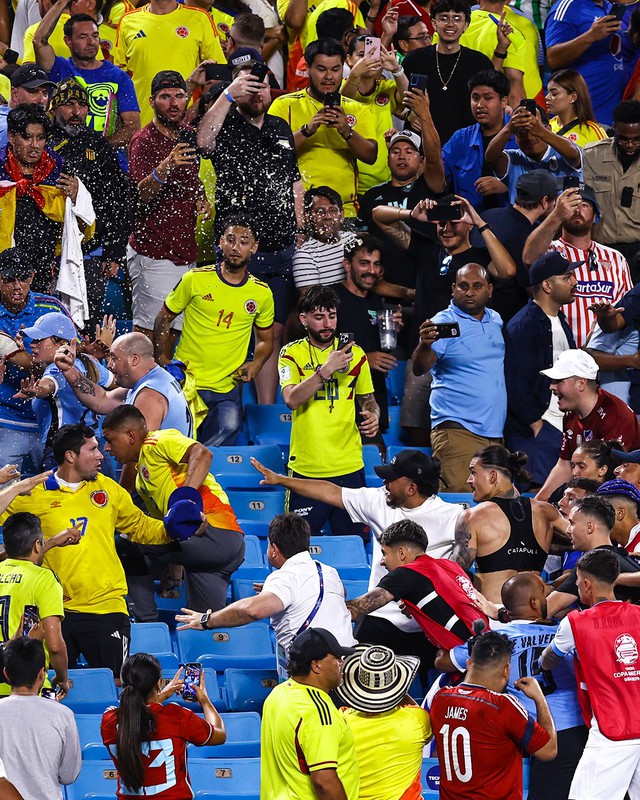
<point>325,491</point>
<point>366,603</point>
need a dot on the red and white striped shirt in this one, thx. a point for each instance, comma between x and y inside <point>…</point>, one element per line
<point>611,280</point>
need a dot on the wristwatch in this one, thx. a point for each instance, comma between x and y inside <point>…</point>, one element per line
<point>204,619</point>
<point>304,130</point>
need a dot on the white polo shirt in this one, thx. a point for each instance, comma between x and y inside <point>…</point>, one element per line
<point>297,585</point>
<point>369,506</point>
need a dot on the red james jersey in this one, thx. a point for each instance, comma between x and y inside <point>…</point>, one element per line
<point>481,737</point>
<point>611,418</point>
<point>165,756</point>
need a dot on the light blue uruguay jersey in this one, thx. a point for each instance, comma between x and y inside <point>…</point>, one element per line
<point>63,407</point>
<point>178,412</point>
<point>558,685</point>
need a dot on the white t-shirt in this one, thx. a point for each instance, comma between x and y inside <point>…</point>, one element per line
<point>297,585</point>
<point>438,519</point>
<point>553,415</point>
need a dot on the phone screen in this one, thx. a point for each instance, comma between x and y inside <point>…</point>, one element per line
<point>31,618</point>
<point>192,673</point>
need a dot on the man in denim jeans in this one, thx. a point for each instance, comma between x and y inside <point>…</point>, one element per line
<point>223,306</point>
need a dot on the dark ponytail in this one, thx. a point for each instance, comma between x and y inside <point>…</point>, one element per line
<point>140,674</point>
<point>498,457</point>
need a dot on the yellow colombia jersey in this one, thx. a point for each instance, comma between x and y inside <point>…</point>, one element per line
<point>56,40</point>
<point>22,583</point>
<point>308,33</point>
<point>392,771</point>
<point>524,52</point>
<point>222,22</point>
<point>148,43</point>
<point>580,134</point>
<point>382,103</point>
<point>91,574</point>
<point>325,158</point>
<point>302,732</point>
<point>218,319</point>
<point>160,473</point>
<point>328,420</point>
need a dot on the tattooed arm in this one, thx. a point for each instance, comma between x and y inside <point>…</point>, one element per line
<point>370,413</point>
<point>466,546</point>
<point>366,603</point>
<point>389,220</point>
<point>88,393</point>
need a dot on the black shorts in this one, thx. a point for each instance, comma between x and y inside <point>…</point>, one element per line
<point>103,639</point>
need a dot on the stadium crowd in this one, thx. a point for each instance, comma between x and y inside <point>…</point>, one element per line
<point>411,229</point>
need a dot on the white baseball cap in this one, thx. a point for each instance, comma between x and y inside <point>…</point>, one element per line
<point>572,364</point>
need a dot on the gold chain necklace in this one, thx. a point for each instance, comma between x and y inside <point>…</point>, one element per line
<point>442,80</point>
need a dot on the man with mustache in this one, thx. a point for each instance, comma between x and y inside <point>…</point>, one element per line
<point>534,338</point>
<point>89,155</point>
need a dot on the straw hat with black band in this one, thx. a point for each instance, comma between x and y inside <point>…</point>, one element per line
<point>375,680</point>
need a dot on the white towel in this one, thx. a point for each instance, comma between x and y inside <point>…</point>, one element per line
<point>71,282</point>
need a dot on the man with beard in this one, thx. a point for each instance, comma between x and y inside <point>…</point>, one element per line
<point>328,387</point>
<point>164,165</point>
<point>223,306</point>
<point>534,338</point>
<point>612,167</point>
<point>328,136</point>
<point>254,158</point>
<point>602,273</point>
<point>103,81</point>
<point>89,155</point>
<point>410,492</point>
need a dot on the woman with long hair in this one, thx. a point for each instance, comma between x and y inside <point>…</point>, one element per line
<point>570,110</point>
<point>142,727</point>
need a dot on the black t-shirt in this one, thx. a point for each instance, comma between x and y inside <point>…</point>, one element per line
<point>627,564</point>
<point>358,315</point>
<point>450,108</point>
<point>398,268</point>
<point>511,228</point>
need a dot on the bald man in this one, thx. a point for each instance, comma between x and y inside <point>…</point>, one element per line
<point>524,599</point>
<point>141,383</point>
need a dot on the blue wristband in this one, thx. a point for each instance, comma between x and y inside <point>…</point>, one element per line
<point>228,96</point>
<point>155,176</point>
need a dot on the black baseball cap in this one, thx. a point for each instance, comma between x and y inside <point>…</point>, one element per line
<point>412,464</point>
<point>549,264</point>
<point>30,76</point>
<point>535,185</point>
<point>15,263</point>
<point>168,79</point>
<point>315,644</point>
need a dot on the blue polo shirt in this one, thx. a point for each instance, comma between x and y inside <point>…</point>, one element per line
<point>601,63</point>
<point>463,158</point>
<point>15,413</point>
<point>519,163</point>
<point>468,384</point>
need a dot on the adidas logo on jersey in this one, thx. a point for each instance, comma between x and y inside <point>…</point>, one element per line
<point>308,366</point>
<point>208,296</point>
<point>140,35</point>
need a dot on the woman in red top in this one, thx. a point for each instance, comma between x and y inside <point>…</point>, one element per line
<point>148,741</point>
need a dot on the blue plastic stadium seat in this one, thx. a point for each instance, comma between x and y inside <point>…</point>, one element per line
<point>395,383</point>
<point>247,689</point>
<point>150,637</point>
<point>178,601</point>
<point>90,738</point>
<point>232,468</point>
<point>355,588</point>
<point>396,448</point>
<point>213,688</point>
<point>242,587</point>
<point>251,527</point>
<point>249,645</point>
<point>345,553</point>
<point>243,738</point>
<point>393,436</point>
<point>231,778</point>
<point>271,424</point>
<point>93,691</point>
<point>430,776</point>
<point>257,505</point>
<point>372,458</point>
<point>253,555</point>
<point>97,779</point>
<point>464,498</point>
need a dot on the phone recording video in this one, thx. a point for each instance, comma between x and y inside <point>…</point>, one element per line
<point>30,619</point>
<point>260,71</point>
<point>445,212</point>
<point>332,99</point>
<point>448,330</point>
<point>372,47</point>
<point>530,105</point>
<point>417,81</point>
<point>570,182</point>
<point>344,339</point>
<point>192,675</point>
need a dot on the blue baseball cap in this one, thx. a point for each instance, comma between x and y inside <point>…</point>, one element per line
<point>184,513</point>
<point>55,323</point>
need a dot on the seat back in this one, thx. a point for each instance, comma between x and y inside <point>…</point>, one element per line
<point>243,738</point>
<point>339,551</point>
<point>92,692</point>
<point>243,644</point>
<point>271,424</point>
<point>96,779</point>
<point>247,689</point>
<point>230,778</point>
<point>150,637</point>
<point>257,505</point>
<point>231,466</point>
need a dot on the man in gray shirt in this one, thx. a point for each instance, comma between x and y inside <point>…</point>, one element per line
<point>42,751</point>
